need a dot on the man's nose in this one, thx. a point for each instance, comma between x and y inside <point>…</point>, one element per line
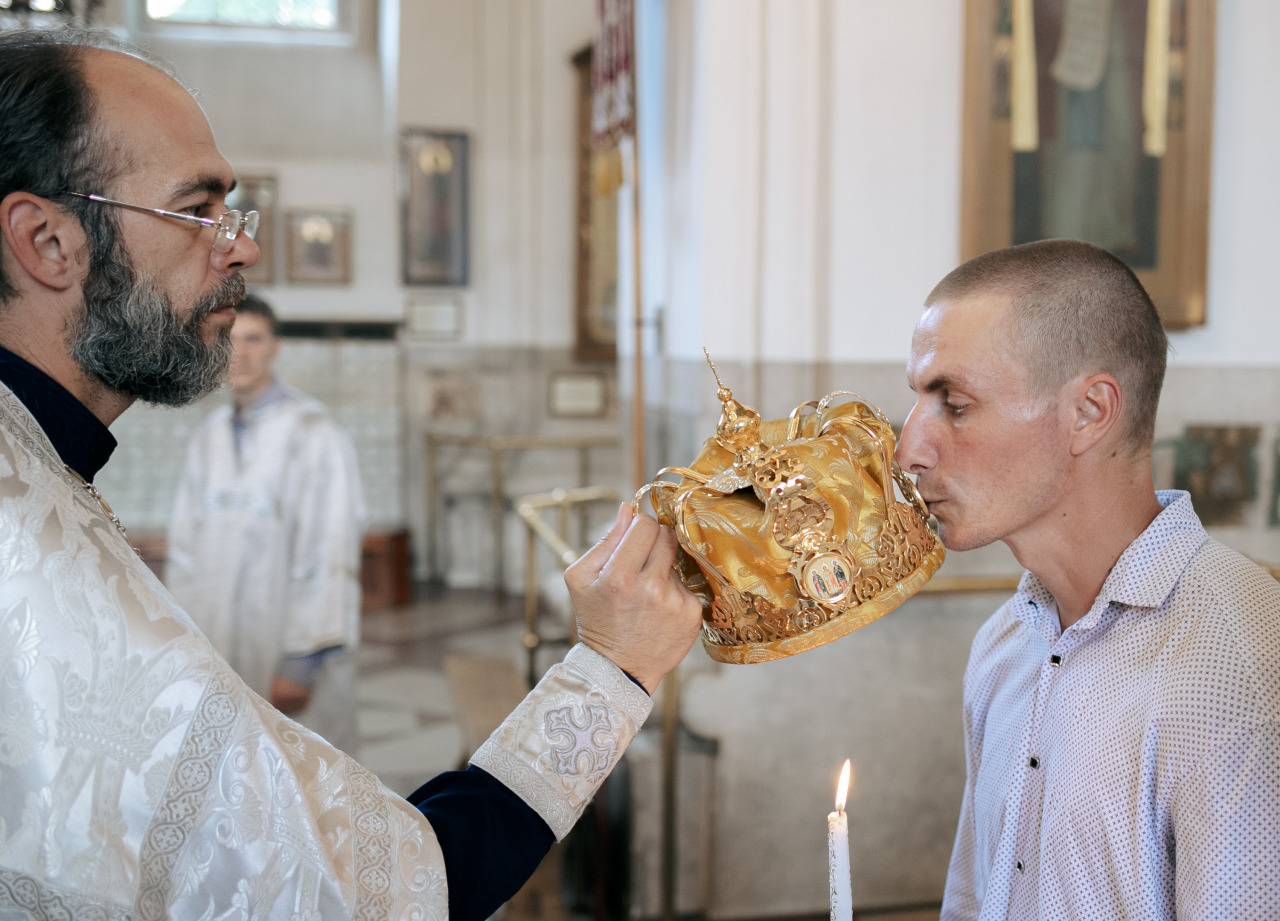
<point>913,452</point>
<point>244,254</point>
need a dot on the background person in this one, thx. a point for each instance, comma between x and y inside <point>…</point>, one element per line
<point>1122,710</point>
<point>264,543</point>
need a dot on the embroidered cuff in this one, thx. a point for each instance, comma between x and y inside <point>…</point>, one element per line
<point>557,747</point>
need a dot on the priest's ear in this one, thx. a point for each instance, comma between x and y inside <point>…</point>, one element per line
<point>41,241</point>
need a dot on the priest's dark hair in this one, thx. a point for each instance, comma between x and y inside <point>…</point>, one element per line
<point>1074,309</point>
<point>49,145</point>
<point>255,305</point>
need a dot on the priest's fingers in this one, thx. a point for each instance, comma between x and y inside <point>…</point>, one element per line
<point>632,607</point>
<point>588,565</point>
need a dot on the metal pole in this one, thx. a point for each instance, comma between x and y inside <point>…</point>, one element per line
<point>532,634</point>
<point>671,687</point>
<point>637,417</point>
<point>670,741</point>
<point>497,491</point>
<point>434,564</point>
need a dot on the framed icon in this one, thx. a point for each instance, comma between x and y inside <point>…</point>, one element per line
<point>318,246</point>
<point>434,206</point>
<point>259,193</point>
<point>1094,126</point>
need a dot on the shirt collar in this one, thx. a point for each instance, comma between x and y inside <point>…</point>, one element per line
<point>83,443</point>
<point>1148,570</point>
<point>270,397</point>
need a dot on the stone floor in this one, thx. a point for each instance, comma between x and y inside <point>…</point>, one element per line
<point>411,729</point>
<point>409,726</point>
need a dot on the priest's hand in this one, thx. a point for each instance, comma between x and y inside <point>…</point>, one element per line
<point>630,604</point>
<point>289,697</point>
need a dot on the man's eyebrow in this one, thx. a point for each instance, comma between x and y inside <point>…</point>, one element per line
<point>941,382</point>
<point>213,185</point>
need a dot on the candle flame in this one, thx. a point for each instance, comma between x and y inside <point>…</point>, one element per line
<point>842,788</point>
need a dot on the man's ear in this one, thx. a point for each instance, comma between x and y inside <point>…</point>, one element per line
<point>45,241</point>
<point>1097,403</point>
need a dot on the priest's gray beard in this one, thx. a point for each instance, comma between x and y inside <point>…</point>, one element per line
<point>131,339</point>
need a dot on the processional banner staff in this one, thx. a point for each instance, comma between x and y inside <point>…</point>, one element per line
<point>613,120</point>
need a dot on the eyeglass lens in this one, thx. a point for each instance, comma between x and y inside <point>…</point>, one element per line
<point>233,224</point>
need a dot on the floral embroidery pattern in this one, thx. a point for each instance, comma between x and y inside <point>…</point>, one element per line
<point>588,745</point>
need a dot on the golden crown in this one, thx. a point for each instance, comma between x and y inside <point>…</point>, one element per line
<point>790,530</point>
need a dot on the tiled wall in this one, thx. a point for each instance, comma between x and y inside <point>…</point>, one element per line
<point>389,395</point>
<point>359,381</point>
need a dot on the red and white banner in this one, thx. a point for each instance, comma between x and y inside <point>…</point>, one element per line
<point>613,96</point>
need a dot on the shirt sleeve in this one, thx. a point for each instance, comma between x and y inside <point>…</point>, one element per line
<point>325,510</point>
<point>1227,828</point>
<point>960,901</point>
<point>302,669</point>
<point>491,840</point>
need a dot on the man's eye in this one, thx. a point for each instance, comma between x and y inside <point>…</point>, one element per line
<point>953,409</point>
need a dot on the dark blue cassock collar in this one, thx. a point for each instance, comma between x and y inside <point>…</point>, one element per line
<point>79,437</point>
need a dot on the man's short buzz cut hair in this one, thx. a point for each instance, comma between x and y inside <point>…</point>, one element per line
<point>255,305</point>
<point>1074,309</point>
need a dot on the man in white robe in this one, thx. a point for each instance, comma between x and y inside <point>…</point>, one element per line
<point>140,777</point>
<point>264,545</point>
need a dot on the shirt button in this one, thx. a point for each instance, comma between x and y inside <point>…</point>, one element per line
<point>1033,762</point>
<point>1055,660</point>
<point>1019,866</point>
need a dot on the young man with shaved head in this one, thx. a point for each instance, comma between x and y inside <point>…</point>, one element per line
<point>139,776</point>
<point>1122,710</point>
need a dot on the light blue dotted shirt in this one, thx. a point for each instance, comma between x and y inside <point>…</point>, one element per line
<point>1129,766</point>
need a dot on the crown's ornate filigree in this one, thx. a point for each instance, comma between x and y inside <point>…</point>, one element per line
<point>819,545</point>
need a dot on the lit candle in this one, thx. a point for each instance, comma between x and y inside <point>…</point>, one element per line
<point>838,853</point>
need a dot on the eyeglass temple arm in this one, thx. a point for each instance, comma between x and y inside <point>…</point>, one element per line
<point>194,219</point>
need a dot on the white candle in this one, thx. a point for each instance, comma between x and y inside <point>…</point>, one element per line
<point>838,853</point>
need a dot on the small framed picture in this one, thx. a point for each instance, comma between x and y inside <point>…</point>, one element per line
<point>258,193</point>
<point>318,250</point>
<point>577,395</point>
<point>434,207</point>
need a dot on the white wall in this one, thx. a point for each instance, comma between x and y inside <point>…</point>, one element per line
<point>1244,325</point>
<point>501,70</point>
<point>786,272</point>
<point>317,118</point>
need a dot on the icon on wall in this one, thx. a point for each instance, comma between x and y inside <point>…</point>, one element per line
<point>258,193</point>
<point>434,208</point>
<point>318,247</point>
<point>1217,464</point>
